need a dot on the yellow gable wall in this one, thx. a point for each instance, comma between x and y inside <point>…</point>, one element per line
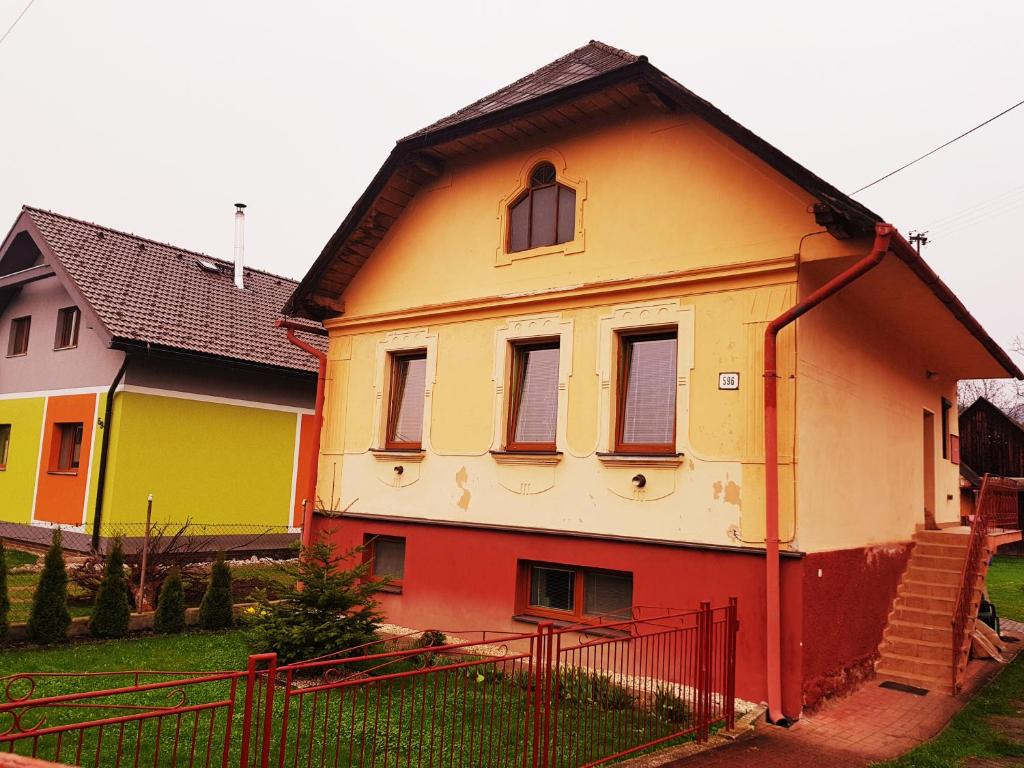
<point>663,193</point>
<point>674,212</point>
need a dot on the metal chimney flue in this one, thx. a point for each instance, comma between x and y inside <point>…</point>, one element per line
<point>240,245</point>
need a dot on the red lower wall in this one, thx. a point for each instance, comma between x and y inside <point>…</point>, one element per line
<point>847,598</point>
<point>461,578</point>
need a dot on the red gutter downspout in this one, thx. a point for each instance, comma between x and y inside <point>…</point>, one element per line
<point>883,234</point>
<point>318,420</point>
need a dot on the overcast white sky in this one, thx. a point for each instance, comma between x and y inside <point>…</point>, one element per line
<point>155,117</point>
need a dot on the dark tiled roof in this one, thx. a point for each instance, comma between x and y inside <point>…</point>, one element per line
<point>592,59</point>
<point>146,291</point>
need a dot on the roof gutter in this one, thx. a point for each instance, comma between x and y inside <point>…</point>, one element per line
<point>309,500</point>
<point>883,235</point>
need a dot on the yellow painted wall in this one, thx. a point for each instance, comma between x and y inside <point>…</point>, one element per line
<point>863,388</point>
<point>17,482</point>
<point>672,211</point>
<point>212,463</point>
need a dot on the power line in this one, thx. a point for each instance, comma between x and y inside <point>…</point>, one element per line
<point>15,22</point>
<point>943,146</point>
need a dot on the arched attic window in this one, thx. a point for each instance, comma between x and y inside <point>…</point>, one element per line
<point>545,214</point>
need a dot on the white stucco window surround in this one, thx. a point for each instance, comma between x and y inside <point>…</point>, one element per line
<point>517,329</point>
<point>402,341</point>
<point>639,316</point>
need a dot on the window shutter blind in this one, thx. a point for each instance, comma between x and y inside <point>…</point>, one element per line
<point>411,382</point>
<point>537,415</point>
<point>649,406</point>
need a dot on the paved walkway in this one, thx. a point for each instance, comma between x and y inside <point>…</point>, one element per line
<point>870,725</point>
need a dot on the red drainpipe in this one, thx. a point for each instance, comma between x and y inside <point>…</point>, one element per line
<point>318,418</point>
<point>883,234</point>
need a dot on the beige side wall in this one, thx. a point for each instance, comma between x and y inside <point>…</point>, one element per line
<point>862,392</point>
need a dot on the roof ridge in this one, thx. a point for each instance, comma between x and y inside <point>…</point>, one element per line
<point>626,56</point>
<point>132,235</point>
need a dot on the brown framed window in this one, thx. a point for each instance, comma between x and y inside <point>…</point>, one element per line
<point>533,397</point>
<point>405,401</point>
<point>646,408</point>
<point>386,555</point>
<point>67,447</point>
<point>576,593</point>
<point>545,214</point>
<point>5,444</point>
<point>67,328</point>
<point>18,342</point>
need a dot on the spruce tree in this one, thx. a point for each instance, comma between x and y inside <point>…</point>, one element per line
<point>111,612</point>
<point>49,620</point>
<point>5,602</point>
<point>215,612</point>
<point>170,606</point>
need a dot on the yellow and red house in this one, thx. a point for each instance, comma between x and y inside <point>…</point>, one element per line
<point>546,376</point>
<point>131,367</point>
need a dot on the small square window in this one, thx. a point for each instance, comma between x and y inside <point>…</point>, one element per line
<point>646,418</point>
<point>67,328</point>
<point>533,397</point>
<point>553,588</point>
<point>386,555</point>
<point>67,448</point>
<point>18,342</point>
<point>5,444</point>
<point>405,403</point>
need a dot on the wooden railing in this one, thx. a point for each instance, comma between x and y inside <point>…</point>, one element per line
<point>996,508</point>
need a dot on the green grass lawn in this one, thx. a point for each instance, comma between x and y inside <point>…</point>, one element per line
<point>453,715</point>
<point>17,557</point>
<point>1006,586</point>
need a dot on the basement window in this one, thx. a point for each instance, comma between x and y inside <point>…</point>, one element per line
<point>575,593</point>
<point>386,557</point>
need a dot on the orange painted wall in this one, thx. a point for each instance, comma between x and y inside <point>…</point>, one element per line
<point>60,498</point>
<point>307,456</point>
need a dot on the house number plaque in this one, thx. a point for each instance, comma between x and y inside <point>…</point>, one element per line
<point>728,381</point>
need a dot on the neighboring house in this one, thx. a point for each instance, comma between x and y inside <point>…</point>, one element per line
<point>545,386</point>
<point>211,409</point>
<point>990,443</point>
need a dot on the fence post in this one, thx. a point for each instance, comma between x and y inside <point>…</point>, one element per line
<point>541,662</point>
<point>141,602</point>
<point>704,629</point>
<point>732,627</point>
<point>252,674</point>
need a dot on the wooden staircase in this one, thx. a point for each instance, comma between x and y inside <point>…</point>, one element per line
<point>917,646</point>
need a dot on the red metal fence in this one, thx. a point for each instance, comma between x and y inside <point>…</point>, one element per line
<point>553,698</point>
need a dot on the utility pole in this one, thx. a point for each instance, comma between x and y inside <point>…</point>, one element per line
<point>918,239</point>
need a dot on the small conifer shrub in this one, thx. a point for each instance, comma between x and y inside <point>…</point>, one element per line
<point>170,606</point>
<point>111,611</point>
<point>215,612</point>
<point>49,620</point>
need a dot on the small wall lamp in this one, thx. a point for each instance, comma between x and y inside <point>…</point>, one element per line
<point>639,481</point>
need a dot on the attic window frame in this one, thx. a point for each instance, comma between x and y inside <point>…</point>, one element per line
<point>14,350</point>
<point>528,196</point>
<point>504,255</point>
<point>69,321</point>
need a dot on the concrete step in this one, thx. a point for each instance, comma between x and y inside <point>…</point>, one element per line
<point>914,631</point>
<point>942,563</point>
<point>920,649</point>
<point>914,587</point>
<point>915,665</point>
<point>936,684</point>
<point>921,616</point>
<point>941,550</point>
<point>941,537</point>
<point>926,603</point>
<point>918,572</point>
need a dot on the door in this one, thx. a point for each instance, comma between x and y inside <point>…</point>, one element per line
<point>929,470</point>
